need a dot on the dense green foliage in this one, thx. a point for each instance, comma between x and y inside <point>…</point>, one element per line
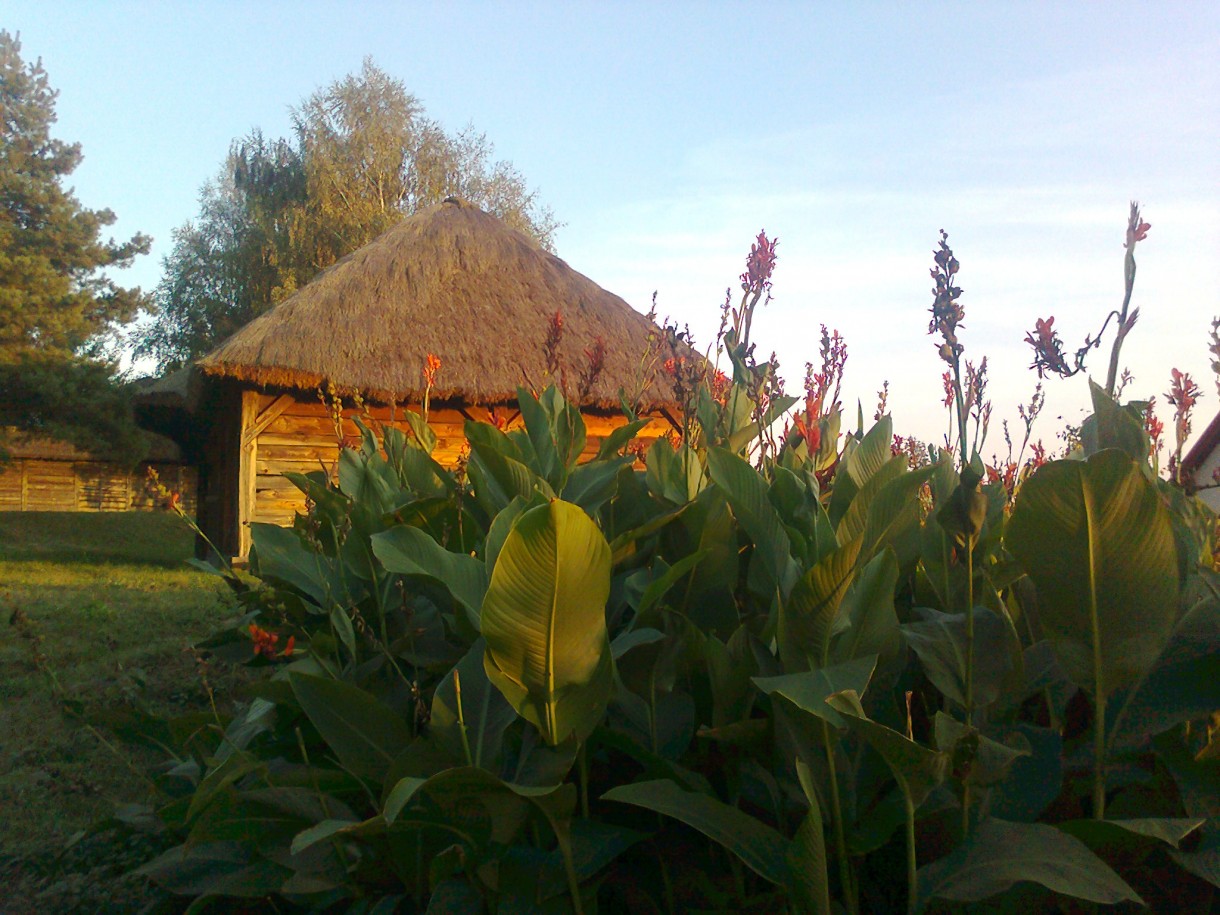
<point>56,299</point>
<point>708,685</point>
<point>364,155</point>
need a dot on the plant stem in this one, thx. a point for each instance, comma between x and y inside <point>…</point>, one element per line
<point>1123,328</point>
<point>457,691</point>
<point>582,761</point>
<point>1099,760</point>
<point>836,811</point>
<point>912,882</point>
<point>666,882</point>
<point>969,670</point>
<point>1099,687</point>
<point>969,630</point>
<point>962,416</point>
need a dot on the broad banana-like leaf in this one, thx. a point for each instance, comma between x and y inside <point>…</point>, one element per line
<point>364,733</point>
<point>759,847</point>
<point>747,494</point>
<point>861,461</point>
<point>1114,425</point>
<point>544,621</point>
<point>917,769</point>
<point>1098,543</point>
<point>409,551</point>
<point>808,618</point>
<point>808,882</point>
<point>809,689</point>
<point>1000,854</point>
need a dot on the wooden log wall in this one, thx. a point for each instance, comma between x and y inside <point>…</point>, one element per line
<point>28,484</point>
<point>281,434</point>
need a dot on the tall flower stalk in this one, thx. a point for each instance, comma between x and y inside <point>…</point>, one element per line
<point>1049,355</point>
<point>963,516</point>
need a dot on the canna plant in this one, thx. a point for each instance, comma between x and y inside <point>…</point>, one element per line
<point>773,673</point>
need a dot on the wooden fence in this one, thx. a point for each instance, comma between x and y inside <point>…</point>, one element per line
<point>28,484</point>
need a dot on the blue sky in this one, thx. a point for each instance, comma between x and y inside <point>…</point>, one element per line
<point>666,135</point>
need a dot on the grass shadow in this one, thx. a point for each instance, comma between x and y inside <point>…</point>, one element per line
<point>143,538</point>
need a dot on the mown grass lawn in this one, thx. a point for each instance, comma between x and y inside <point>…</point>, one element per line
<point>99,609</point>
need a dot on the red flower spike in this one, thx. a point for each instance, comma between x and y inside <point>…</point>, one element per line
<point>432,367</point>
<point>760,265</point>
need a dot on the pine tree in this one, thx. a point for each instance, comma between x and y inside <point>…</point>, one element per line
<point>56,301</point>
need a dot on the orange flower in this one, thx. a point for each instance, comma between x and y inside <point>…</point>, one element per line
<point>1137,229</point>
<point>432,367</point>
<point>264,641</point>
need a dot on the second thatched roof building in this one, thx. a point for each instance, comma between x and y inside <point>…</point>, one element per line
<point>451,282</point>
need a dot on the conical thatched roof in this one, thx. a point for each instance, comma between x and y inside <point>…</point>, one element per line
<point>456,282</point>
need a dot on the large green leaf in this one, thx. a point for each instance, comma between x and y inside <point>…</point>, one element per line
<point>368,479</point>
<point>215,868</point>
<point>808,882</point>
<point>544,620</point>
<point>1169,830</point>
<point>759,847</point>
<point>363,733</point>
<point>748,496</point>
<point>861,460</point>
<point>872,452</point>
<point>503,523</point>
<point>857,516</point>
<point>1183,684</point>
<point>556,432</point>
<point>613,443</point>
<point>1098,543</point>
<point>407,550</point>
<point>498,477</point>
<point>808,690</point>
<point>1114,426</point>
<point>940,641</point>
<point>660,586</point>
<point>280,555</point>
<point>594,484</point>
<point>485,715</point>
<point>1000,854</point>
<point>808,618</point>
<point>869,611</point>
<point>893,515</point>
<point>916,768</point>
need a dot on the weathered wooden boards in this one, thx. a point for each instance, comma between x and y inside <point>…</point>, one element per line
<point>89,486</point>
<point>281,434</point>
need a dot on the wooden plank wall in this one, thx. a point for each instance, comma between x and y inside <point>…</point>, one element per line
<point>300,436</point>
<point>89,486</point>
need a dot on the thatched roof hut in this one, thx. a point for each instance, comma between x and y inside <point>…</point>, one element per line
<point>450,281</point>
<point>454,281</point>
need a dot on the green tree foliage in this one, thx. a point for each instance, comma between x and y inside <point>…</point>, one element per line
<point>364,155</point>
<point>56,300</point>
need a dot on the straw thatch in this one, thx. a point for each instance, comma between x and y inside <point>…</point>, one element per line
<point>182,389</point>
<point>456,282</point>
